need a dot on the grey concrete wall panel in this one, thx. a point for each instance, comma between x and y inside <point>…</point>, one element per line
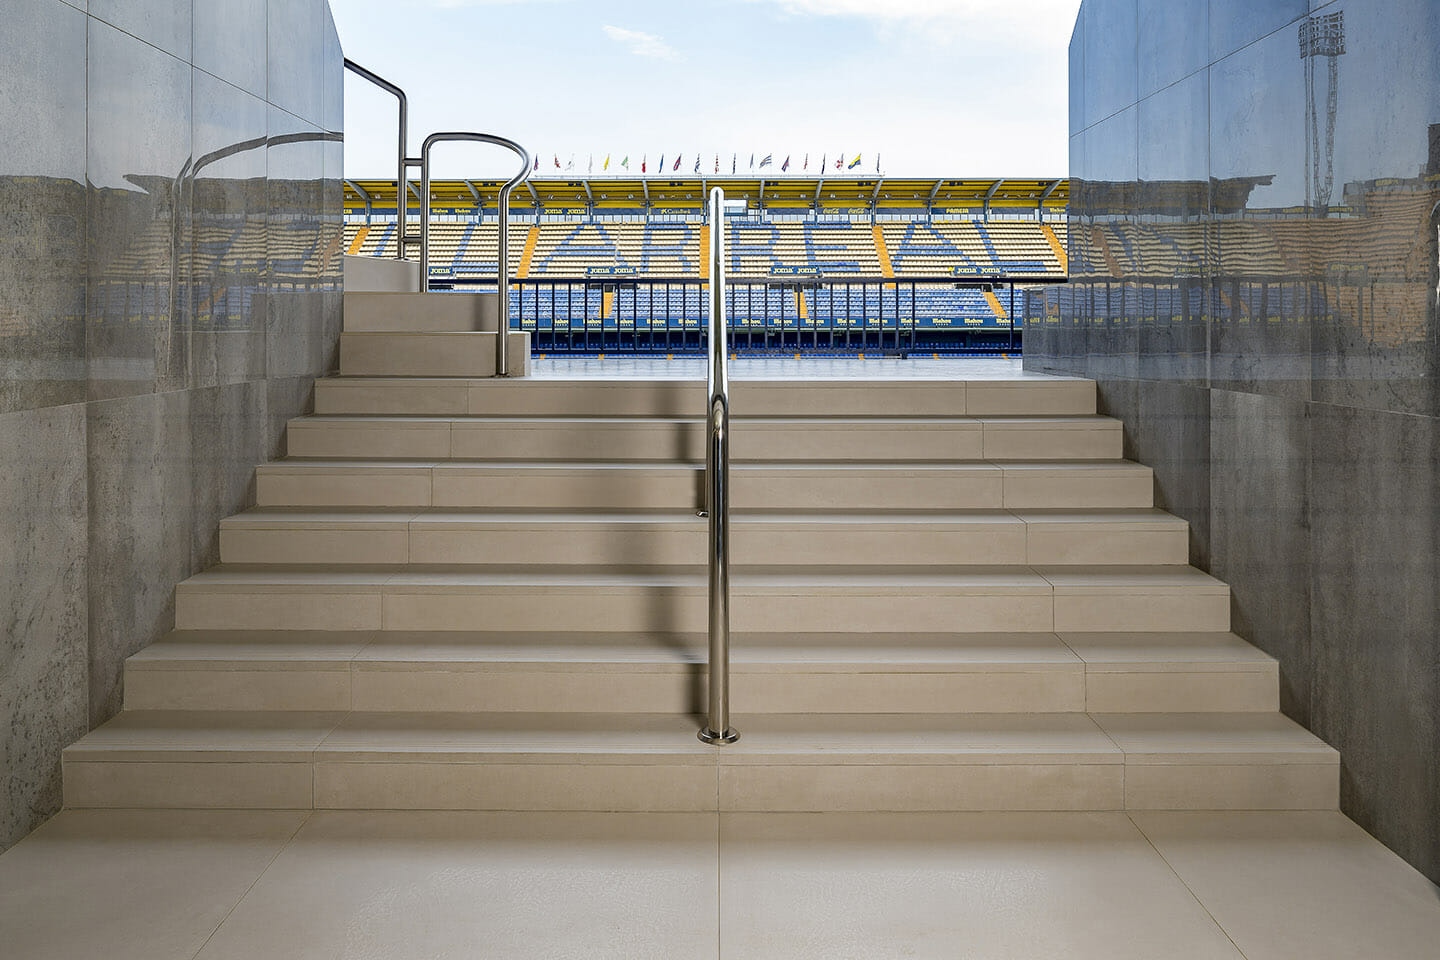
<point>1111,74</point>
<point>229,204</point>
<point>165,24</point>
<point>230,42</point>
<point>151,357</point>
<point>296,71</point>
<point>1375,517</point>
<point>1260,529</point>
<point>43,642</point>
<point>1278,251</point>
<point>42,207</point>
<point>137,158</point>
<point>1173,41</point>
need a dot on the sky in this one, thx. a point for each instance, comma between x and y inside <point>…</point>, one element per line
<point>930,88</point>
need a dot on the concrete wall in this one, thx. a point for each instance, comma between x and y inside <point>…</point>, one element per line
<point>170,285</point>
<point>1255,280</point>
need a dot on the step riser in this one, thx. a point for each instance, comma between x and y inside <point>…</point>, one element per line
<point>985,488</point>
<point>700,787</point>
<point>588,689</point>
<point>996,543</point>
<point>418,312</point>
<point>429,354</point>
<point>685,441</point>
<point>661,609</point>
<point>538,398</point>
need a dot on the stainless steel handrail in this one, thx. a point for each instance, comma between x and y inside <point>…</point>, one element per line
<point>717,485</point>
<point>502,269</point>
<point>403,162</point>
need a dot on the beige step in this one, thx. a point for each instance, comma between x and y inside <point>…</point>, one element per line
<point>975,599</point>
<point>1181,672</point>
<point>448,312</point>
<point>391,354</point>
<point>582,761</point>
<point>686,398</point>
<point>665,673</point>
<point>912,439</point>
<point>774,539</point>
<point>563,485</point>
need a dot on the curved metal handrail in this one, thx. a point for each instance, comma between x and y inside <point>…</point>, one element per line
<point>402,198</point>
<point>502,267</point>
<point>717,485</point>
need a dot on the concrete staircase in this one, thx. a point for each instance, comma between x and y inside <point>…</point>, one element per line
<point>464,593</point>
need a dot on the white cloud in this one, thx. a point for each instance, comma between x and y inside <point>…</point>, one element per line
<point>642,44</point>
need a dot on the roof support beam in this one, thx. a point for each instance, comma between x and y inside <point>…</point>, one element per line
<point>363,194</point>
<point>989,195</point>
<point>930,200</point>
<point>475,195</point>
<point>1040,206</point>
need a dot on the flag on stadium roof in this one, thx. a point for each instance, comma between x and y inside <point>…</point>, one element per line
<point>856,162</point>
<point>807,162</point>
<point>752,161</point>
<point>660,167</point>
<point>557,161</point>
<point>676,165</point>
<point>824,159</point>
<point>697,163</point>
<point>607,163</point>
<point>786,165</point>
<point>840,160</point>
<point>766,162</point>
<point>734,163</point>
<point>570,164</point>
<point>717,163</point>
<point>591,170</point>
<point>626,162</point>
<point>645,159</point>
<point>877,163</point>
<point>537,161</point>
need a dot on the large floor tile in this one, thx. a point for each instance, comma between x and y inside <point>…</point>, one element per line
<point>440,885</point>
<point>132,884</point>
<point>993,886</point>
<point>1300,886</point>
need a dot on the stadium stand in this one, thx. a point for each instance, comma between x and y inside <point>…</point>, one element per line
<point>805,257</point>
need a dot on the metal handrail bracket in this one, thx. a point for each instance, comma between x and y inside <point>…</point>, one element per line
<point>402,205</point>
<point>717,486</point>
<point>502,269</point>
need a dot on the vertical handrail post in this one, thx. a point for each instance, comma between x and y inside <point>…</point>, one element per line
<point>717,486</point>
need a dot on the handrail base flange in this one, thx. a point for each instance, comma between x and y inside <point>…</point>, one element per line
<point>710,736</point>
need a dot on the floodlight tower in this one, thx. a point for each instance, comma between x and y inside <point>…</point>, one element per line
<point>1321,36</point>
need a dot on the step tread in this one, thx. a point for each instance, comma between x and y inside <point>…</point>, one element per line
<point>1155,739</point>
<point>749,653</point>
<point>1093,421</point>
<point>898,468</point>
<point>283,518</point>
<point>1118,580</point>
<point>797,383</point>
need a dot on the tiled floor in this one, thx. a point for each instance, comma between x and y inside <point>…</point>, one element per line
<point>785,368</point>
<point>1258,886</point>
